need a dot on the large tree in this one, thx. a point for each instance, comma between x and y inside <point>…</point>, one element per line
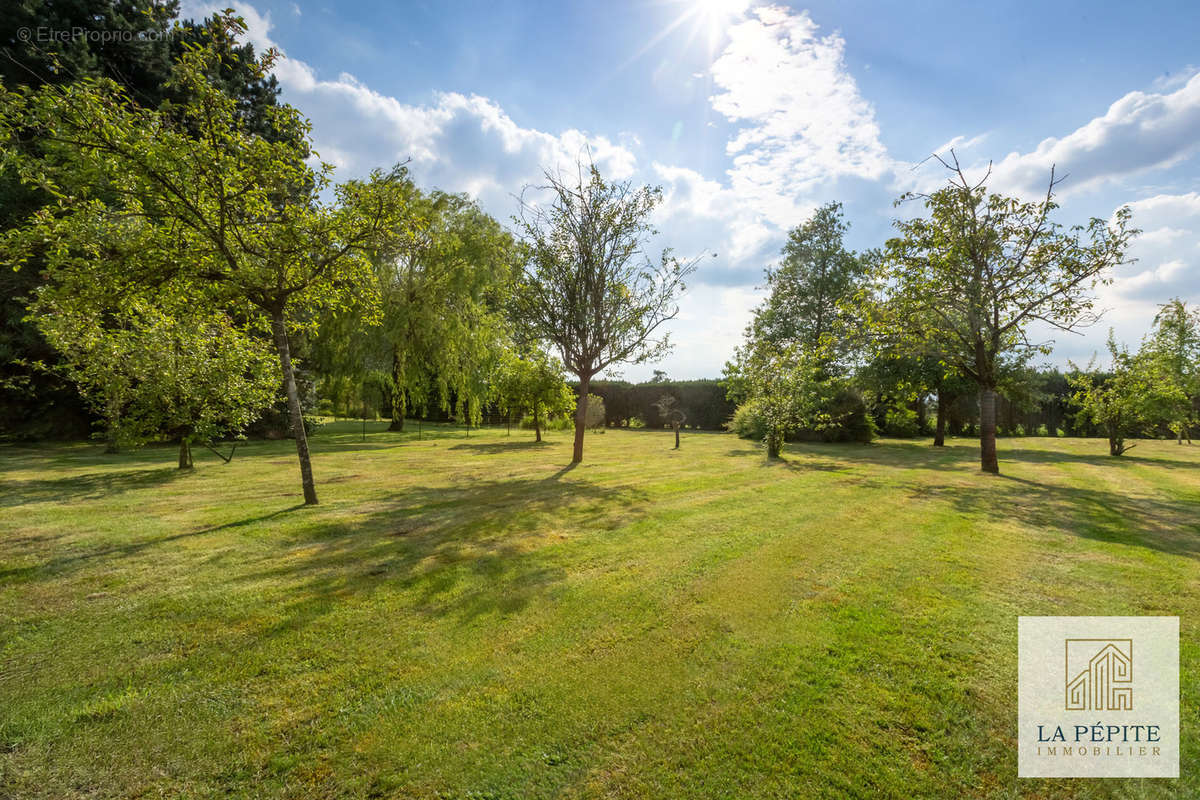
<point>591,290</point>
<point>808,290</point>
<point>134,43</point>
<point>219,204</point>
<point>974,275</point>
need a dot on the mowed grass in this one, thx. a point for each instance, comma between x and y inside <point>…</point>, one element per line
<point>469,618</point>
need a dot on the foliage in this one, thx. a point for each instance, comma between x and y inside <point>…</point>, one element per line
<point>1173,352</point>
<point>901,422</point>
<point>791,391</point>
<point>970,278</point>
<point>133,43</point>
<point>749,421</point>
<point>198,201</point>
<point>532,383</point>
<point>442,283</point>
<point>589,289</point>
<point>189,374</point>
<point>593,412</point>
<point>1125,401</point>
<point>806,306</point>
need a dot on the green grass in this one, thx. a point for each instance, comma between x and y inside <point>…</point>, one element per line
<point>467,617</point>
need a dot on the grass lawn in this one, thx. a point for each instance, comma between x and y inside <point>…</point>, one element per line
<point>466,617</point>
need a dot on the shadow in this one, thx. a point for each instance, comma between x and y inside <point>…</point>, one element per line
<point>86,487</point>
<point>56,566</point>
<point>492,448</point>
<point>435,543</point>
<point>563,472</point>
<point>1155,523</point>
<point>1097,459</point>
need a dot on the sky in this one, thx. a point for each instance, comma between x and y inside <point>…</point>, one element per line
<point>750,115</point>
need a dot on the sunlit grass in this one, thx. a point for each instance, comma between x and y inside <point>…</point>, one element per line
<point>467,617</point>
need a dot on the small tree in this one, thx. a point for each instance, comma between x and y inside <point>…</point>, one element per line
<point>669,410</point>
<point>972,276</point>
<point>594,413</point>
<point>531,383</point>
<point>1124,402</point>
<point>1173,350</point>
<point>190,375</point>
<point>590,290</point>
<point>788,391</point>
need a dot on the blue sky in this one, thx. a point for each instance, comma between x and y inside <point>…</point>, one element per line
<point>752,114</point>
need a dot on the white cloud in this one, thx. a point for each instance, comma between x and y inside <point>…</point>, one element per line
<point>803,121</point>
<point>1141,131</point>
<point>1167,251</point>
<point>459,143</point>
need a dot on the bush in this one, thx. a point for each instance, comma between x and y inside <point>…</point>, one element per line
<point>902,423</point>
<point>748,421</point>
<point>851,423</point>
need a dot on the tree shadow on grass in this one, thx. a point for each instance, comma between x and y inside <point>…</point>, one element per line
<point>56,566</point>
<point>1168,525</point>
<point>1097,459</point>
<point>492,448</point>
<point>88,486</point>
<point>462,552</point>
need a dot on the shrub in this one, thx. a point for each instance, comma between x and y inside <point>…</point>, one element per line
<point>748,421</point>
<point>902,423</point>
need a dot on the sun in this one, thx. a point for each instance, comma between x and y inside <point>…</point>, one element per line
<point>713,17</point>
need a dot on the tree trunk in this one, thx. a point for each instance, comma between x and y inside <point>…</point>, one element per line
<point>581,417</point>
<point>399,406</point>
<point>774,440</point>
<point>537,425</point>
<point>987,431</point>
<point>185,453</point>
<point>939,432</point>
<point>294,412</point>
<point>676,437</point>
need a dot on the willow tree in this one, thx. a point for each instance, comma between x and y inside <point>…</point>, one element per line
<point>236,210</point>
<point>590,288</point>
<point>973,276</point>
<point>442,293</point>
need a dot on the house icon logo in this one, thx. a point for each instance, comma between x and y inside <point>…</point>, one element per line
<point>1099,675</point>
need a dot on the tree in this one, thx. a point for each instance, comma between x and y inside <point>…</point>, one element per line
<point>531,383</point>
<point>980,269</point>
<point>186,373</point>
<point>817,274</point>
<point>442,295</point>
<point>218,205</point>
<point>788,391</point>
<point>1124,402</point>
<point>134,43</point>
<point>1173,350</point>
<point>668,409</point>
<point>594,415</point>
<point>589,289</point>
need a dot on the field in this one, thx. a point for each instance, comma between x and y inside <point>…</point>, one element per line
<point>468,617</point>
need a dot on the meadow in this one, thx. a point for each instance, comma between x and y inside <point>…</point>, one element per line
<point>470,617</point>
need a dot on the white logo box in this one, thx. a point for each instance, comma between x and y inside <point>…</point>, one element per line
<point>1098,697</point>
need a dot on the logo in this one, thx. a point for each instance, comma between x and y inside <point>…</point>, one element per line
<point>1098,697</point>
<point>1099,675</point>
